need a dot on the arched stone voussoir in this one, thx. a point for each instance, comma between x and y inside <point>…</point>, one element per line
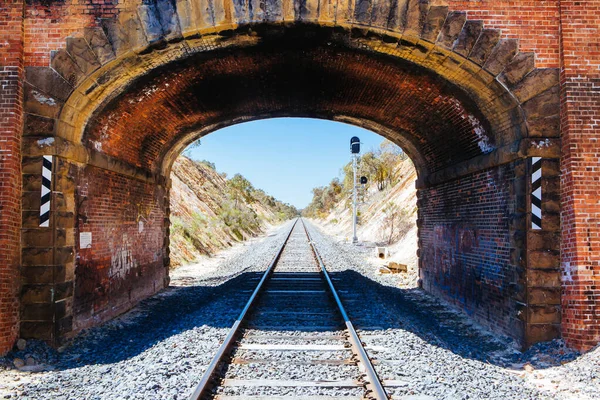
<point>103,62</point>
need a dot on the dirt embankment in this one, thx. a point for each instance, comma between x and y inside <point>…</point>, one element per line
<point>397,203</point>
<point>210,212</point>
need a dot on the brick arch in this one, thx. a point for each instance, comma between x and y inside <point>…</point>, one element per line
<point>464,63</point>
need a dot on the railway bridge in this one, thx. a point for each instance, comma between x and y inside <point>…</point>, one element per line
<point>496,102</point>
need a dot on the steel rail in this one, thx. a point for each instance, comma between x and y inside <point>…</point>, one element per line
<point>205,382</point>
<point>374,383</point>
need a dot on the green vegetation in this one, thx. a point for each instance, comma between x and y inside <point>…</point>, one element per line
<point>237,211</point>
<point>379,166</point>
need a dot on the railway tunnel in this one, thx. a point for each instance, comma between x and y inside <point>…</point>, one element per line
<point>121,99</point>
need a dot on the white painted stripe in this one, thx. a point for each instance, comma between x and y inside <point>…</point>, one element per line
<point>538,193</point>
<point>49,158</point>
<point>537,175</point>
<point>536,211</point>
<point>45,208</point>
<point>45,190</point>
<point>45,224</point>
<point>536,159</point>
<point>46,173</point>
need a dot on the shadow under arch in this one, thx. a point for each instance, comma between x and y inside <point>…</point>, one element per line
<point>465,122</point>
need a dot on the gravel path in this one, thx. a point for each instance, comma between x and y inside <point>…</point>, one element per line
<point>160,349</point>
<point>439,351</point>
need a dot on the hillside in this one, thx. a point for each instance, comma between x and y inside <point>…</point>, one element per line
<point>210,212</point>
<point>387,213</point>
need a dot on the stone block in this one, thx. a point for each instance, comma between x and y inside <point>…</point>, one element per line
<point>116,36</point>
<point>67,68</point>
<point>521,65</point>
<point>48,81</point>
<point>362,11</point>
<point>544,296</point>
<point>484,46</point>
<point>32,294</point>
<point>36,237</point>
<point>64,237</point>
<point>63,290</point>
<point>37,256</point>
<point>37,274</point>
<point>37,330</point>
<point>543,278</point>
<point>536,333</point>
<point>544,314</point>
<point>82,54</point>
<point>452,27</point>
<point>98,42</point>
<point>40,103</point>
<point>536,82</point>
<point>543,105</point>
<point>542,240</point>
<point>37,125</point>
<point>31,219</point>
<point>150,22</point>
<point>416,15</point>
<point>37,312</point>
<point>30,200</point>
<point>544,259</point>
<point>544,127</point>
<point>501,56</point>
<point>32,182</point>
<point>168,20</point>
<point>63,255</point>
<point>468,37</point>
<point>434,23</point>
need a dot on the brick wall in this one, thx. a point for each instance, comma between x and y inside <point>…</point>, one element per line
<point>533,22</point>
<point>465,246</point>
<point>580,114</point>
<point>11,122</point>
<point>127,258</point>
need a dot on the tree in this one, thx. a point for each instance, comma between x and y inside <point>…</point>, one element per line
<point>395,222</point>
<point>188,150</point>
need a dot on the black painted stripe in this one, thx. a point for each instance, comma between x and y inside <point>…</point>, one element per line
<point>44,217</point>
<point>47,163</point>
<point>536,220</point>
<point>46,182</point>
<point>46,198</point>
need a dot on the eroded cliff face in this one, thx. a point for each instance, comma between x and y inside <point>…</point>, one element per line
<point>209,213</point>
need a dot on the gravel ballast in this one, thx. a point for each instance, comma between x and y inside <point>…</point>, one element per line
<point>439,351</point>
<point>160,349</point>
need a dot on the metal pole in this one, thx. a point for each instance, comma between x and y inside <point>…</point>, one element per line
<point>354,200</point>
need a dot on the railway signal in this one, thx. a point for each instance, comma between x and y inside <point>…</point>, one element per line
<point>355,151</point>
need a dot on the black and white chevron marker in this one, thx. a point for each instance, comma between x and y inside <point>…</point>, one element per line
<point>536,193</point>
<point>46,191</point>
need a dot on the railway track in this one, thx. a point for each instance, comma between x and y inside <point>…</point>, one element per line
<point>293,339</point>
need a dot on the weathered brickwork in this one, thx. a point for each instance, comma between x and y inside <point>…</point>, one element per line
<point>580,114</point>
<point>126,260</point>
<point>465,246</point>
<point>11,121</point>
<point>472,90</point>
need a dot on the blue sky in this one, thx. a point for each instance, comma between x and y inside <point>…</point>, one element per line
<point>286,157</point>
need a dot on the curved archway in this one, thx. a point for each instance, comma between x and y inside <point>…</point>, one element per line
<point>467,107</point>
